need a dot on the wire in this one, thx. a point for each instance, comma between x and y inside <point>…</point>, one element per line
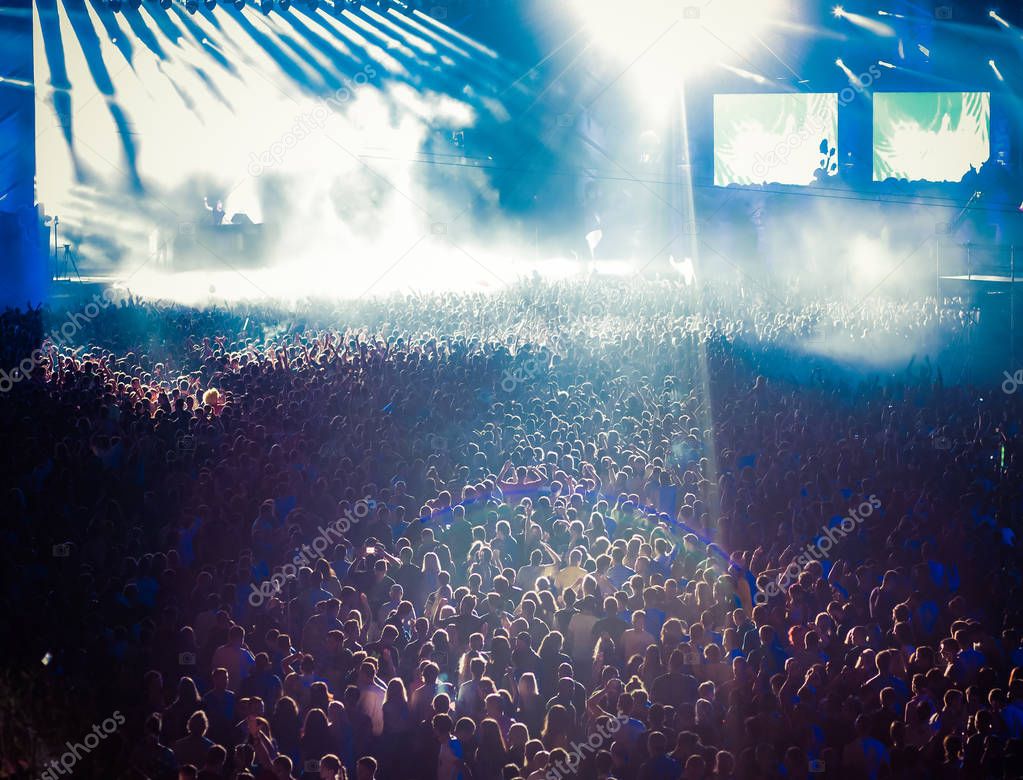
<point>817,192</point>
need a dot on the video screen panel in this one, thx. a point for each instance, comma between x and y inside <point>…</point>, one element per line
<point>931,136</point>
<point>775,138</point>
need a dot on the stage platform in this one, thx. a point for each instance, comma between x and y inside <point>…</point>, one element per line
<point>983,278</point>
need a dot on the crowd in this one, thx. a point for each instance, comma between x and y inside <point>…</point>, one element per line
<point>601,530</point>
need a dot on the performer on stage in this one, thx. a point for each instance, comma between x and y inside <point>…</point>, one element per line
<point>216,212</point>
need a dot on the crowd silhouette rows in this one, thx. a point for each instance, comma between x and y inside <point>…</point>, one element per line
<point>594,530</point>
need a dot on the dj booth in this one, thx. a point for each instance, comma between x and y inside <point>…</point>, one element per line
<point>194,247</point>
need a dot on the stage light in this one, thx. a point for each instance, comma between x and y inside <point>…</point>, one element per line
<point>994,15</point>
<point>994,67</point>
<point>664,42</point>
<point>266,6</point>
<point>136,4</point>
<point>884,64</point>
<point>191,6</point>
<point>210,4</point>
<point>114,5</point>
<point>866,22</point>
<point>283,5</point>
<point>853,80</point>
<point>165,4</point>
<point>239,4</point>
<point>312,4</point>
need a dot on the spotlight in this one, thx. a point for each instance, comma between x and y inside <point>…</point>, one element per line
<point>884,64</point>
<point>114,5</point>
<point>839,63</point>
<point>994,67</point>
<point>210,4</point>
<point>266,6</point>
<point>355,5</point>
<point>136,4</point>
<point>165,4</point>
<point>994,15</point>
<point>283,5</point>
<point>311,4</point>
<point>191,6</point>
<point>838,12</point>
<point>239,4</point>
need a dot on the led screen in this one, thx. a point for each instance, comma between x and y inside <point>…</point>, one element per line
<point>775,138</point>
<point>930,136</point>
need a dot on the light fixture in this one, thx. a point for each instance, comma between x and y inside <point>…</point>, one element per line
<point>283,5</point>
<point>266,6</point>
<point>838,12</point>
<point>239,4</point>
<point>210,4</point>
<point>998,18</point>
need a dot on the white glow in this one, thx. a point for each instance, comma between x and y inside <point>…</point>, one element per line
<point>756,78</point>
<point>353,215</point>
<point>869,24</point>
<point>661,42</point>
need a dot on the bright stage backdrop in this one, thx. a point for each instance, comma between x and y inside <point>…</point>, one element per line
<point>775,138</point>
<point>303,119</point>
<point>931,136</point>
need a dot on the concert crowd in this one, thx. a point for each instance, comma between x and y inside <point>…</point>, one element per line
<point>589,529</point>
